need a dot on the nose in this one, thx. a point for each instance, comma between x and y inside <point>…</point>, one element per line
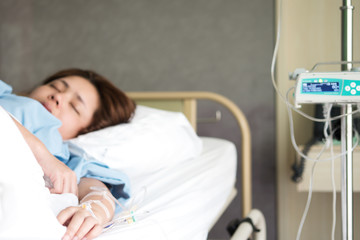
<point>59,97</point>
<point>55,99</point>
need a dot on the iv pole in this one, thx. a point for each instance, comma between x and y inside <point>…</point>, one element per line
<point>346,126</point>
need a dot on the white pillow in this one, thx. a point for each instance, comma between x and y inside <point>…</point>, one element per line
<point>154,139</point>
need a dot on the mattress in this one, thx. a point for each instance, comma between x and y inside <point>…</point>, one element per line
<point>182,201</point>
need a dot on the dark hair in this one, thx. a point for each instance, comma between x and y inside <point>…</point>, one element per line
<point>115,106</point>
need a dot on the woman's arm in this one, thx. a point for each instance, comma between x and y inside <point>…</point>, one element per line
<point>62,177</point>
<point>96,208</point>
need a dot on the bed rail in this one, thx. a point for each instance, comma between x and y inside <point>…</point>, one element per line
<point>189,109</point>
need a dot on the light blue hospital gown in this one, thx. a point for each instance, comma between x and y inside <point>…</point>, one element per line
<point>34,117</point>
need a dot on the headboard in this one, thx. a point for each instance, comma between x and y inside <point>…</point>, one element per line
<point>186,102</point>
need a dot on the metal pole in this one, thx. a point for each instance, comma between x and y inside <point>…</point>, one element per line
<point>346,127</point>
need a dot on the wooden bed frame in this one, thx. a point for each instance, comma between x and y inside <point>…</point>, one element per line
<point>186,102</point>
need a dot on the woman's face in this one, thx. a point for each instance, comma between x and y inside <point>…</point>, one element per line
<point>73,100</point>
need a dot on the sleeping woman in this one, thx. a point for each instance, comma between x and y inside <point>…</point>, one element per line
<point>69,103</point>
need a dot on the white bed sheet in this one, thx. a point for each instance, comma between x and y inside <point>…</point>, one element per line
<point>183,200</point>
<point>25,211</point>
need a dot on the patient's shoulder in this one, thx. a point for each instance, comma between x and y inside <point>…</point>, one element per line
<point>5,88</point>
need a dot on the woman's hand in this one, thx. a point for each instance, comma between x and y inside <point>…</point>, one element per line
<point>80,223</point>
<point>63,179</point>
<point>87,220</point>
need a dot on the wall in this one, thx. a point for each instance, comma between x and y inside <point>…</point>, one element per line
<point>310,33</point>
<point>208,45</point>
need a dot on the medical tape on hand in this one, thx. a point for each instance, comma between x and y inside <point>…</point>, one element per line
<point>108,194</point>
<point>87,205</point>
<point>104,194</point>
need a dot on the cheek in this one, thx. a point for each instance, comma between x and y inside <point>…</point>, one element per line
<point>70,127</point>
<point>38,94</point>
<point>34,95</point>
<point>70,121</point>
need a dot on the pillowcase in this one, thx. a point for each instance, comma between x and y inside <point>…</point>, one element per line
<point>154,139</point>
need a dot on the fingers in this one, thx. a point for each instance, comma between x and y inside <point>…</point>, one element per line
<point>66,214</point>
<point>58,186</point>
<point>95,231</point>
<point>65,183</point>
<point>70,184</point>
<point>74,186</point>
<point>88,226</point>
<point>79,224</point>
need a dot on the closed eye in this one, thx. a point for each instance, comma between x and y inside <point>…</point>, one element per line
<point>74,108</point>
<point>54,87</point>
<point>59,85</point>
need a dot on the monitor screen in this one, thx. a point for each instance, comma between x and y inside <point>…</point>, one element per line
<point>320,87</point>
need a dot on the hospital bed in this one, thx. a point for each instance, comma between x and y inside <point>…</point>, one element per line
<point>217,163</point>
<point>180,183</point>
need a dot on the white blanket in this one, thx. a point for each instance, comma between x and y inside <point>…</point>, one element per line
<point>25,211</point>
<point>183,200</point>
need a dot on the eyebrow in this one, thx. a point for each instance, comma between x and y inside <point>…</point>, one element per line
<point>66,85</point>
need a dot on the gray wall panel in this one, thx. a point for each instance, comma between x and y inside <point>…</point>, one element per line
<point>211,45</point>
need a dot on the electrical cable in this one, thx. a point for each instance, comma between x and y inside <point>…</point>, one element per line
<point>328,137</point>
<point>333,185</point>
<point>298,167</point>
<point>296,147</point>
<point>328,107</point>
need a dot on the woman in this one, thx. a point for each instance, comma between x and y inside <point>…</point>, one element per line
<point>69,103</point>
